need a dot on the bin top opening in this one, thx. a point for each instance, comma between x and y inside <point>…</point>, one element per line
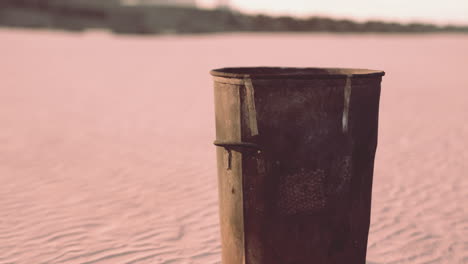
<point>293,73</point>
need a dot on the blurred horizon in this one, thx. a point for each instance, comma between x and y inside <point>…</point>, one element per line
<point>189,16</point>
<point>449,12</point>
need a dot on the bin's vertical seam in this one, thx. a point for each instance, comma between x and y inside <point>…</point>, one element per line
<point>252,113</point>
<point>347,98</point>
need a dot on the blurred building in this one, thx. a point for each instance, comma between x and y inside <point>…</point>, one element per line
<point>192,3</point>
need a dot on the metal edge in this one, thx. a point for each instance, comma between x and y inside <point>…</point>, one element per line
<point>367,73</point>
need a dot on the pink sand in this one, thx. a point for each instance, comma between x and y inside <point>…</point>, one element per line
<point>106,154</point>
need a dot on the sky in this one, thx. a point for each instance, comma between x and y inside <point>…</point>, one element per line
<point>439,12</point>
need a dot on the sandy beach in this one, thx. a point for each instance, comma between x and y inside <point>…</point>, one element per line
<point>106,151</point>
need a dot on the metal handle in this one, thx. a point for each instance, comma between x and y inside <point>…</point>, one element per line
<point>233,144</point>
<point>228,145</point>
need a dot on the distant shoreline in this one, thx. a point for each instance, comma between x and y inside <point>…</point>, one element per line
<point>48,14</point>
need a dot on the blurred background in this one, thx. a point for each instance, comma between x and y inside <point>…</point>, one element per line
<point>107,121</point>
<point>190,16</point>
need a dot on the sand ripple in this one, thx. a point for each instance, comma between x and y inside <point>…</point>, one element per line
<point>106,152</point>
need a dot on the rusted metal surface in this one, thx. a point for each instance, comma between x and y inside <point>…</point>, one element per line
<point>295,153</point>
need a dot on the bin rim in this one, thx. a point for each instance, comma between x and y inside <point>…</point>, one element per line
<point>293,73</point>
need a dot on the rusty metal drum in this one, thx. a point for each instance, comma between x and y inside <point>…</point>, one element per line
<point>295,154</point>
